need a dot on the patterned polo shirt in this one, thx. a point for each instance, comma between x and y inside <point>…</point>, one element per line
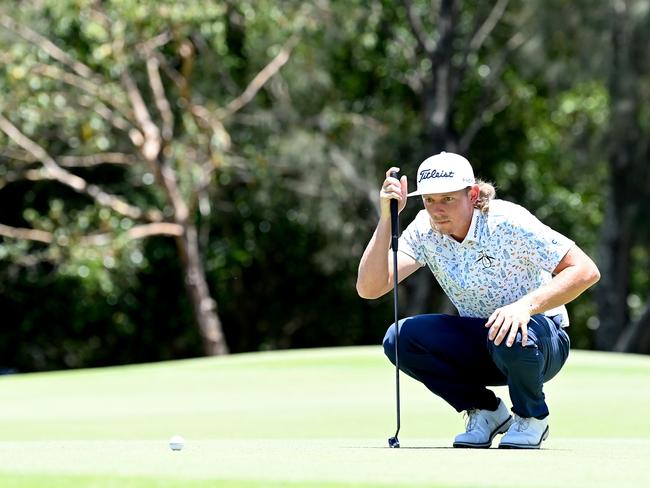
<point>506,254</point>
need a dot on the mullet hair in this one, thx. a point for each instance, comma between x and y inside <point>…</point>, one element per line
<point>486,194</point>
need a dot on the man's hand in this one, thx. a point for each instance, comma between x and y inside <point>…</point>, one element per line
<point>392,188</point>
<point>506,321</point>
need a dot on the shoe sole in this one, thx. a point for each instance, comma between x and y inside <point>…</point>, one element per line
<point>525,446</point>
<point>499,430</point>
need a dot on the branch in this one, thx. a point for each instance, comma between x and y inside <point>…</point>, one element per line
<point>94,90</point>
<point>32,259</point>
<point>260,79</point>
<point>200,197</point>
<point>73,181</point>
<point>351,174</point>
<point>17,155</point>
<point>22,175</point>
<point>150,45</point>
<point>102,239</point>
<point>162,103</point>
<point>151,144</point>
<point>26,234</point>
<point>96,159</point>
<point>105,113</point>
<point>481,33</point>
<point>134,233</point>
<point>479,122</point>
<point>488,26</point>
<point>207,119</point>
<point>45,45</point>
<point>495,74</point>
<point>176,77</point>
<point>85,79</point>
<point>425,43</point>
<point>148,50</point>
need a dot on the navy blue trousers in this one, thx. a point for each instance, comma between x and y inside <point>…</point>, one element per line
<point>453,357</point>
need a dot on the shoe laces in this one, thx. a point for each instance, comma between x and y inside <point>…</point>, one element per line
<point>521,423</point>
<point>471,416</point>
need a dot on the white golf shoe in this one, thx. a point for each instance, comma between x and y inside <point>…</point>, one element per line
<point>525,433</point>
<point>482,426</point>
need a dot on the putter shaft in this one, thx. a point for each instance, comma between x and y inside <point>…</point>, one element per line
<point>394,220</point>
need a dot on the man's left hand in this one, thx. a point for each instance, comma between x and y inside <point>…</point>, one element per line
<point>506,321</point>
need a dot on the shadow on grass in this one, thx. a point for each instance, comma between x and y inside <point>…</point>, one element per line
<point>450,448</point>
<point>400,448</point>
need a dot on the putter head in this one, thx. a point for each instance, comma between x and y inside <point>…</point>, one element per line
<point>393,442</point>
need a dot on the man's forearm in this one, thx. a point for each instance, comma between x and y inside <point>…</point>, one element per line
<point>565,287</point>
<point>373,278</point>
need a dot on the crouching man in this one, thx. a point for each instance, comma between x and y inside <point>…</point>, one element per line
<point>508,275</point>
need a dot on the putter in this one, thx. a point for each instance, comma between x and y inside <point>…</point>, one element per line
<point>394,226</point>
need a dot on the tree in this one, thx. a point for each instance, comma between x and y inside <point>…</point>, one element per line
<point>612,157</point>
<point>274,171</point>
<point>624,236</point>
<point>457,55</point>
<point>117,85</point>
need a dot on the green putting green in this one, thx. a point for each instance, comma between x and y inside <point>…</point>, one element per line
<point>310,418</point>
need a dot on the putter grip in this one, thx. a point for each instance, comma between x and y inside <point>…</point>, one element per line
<point>394,219</point>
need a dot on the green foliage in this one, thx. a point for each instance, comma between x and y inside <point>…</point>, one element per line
<point>555,166</point>
<point>120,312</point>
<point>278,271</point>
<point>294,174</point>
<point>126,296</point>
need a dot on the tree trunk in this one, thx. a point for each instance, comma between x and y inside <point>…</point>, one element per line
<point>636,338</point>
<point>439,94</point>
<point>437,97</point>
<point>625,167</point>
<point>203,305</point>
<point>614,261</point>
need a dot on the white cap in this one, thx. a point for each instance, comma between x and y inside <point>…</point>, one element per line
<point>443,173</point>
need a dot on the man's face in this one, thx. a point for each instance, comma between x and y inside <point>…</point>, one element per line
<point>451,213</point>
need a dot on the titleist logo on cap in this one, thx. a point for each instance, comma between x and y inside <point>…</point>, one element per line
<point>433,173</point>
<point>442,173</point>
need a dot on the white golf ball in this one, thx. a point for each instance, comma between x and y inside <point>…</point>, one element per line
<point>176,443</point>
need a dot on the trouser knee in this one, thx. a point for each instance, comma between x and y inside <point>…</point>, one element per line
<point>546,349</point>
<point>410,349</point>
<point>389,343</point>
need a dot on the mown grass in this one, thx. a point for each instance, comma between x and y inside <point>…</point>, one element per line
<point>312,418</point>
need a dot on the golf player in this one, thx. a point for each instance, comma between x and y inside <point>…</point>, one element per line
<point>507,274</point>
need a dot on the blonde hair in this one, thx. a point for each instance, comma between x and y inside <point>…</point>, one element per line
<point>486,193</point>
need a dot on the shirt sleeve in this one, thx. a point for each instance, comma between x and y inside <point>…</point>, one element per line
<point>545,247</point>
<point>410,242</point>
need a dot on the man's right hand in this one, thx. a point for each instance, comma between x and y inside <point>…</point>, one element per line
<point>392,188</point>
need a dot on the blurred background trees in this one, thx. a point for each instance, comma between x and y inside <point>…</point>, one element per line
<point>188,177</point>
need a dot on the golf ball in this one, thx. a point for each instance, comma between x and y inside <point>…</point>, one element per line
<point>176,443</point>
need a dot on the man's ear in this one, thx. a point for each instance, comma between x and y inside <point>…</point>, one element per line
<point>474,193</point>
